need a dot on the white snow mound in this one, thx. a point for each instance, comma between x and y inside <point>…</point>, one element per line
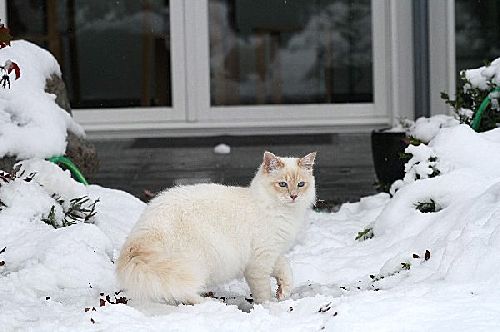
<point>31,123</point>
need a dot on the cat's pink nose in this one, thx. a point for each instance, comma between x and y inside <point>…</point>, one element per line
<point>293,196</point>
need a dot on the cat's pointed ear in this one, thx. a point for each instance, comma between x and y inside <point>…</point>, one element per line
<point>271,162</point>
<point>307,162</point>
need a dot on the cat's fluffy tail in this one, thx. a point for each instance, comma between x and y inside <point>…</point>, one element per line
<point>146,273</point>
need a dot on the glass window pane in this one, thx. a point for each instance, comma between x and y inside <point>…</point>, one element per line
<point>290,52</point>
<point>112,53</point>
<point>477,32</point>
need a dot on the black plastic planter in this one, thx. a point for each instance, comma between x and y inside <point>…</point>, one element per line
<point>387,148</point>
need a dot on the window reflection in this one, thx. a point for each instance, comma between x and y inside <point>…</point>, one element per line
<point>477,32</point>
<point>112,53</point>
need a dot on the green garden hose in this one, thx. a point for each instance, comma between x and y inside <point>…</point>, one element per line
<point>476,121</point>
<point>68,164</point>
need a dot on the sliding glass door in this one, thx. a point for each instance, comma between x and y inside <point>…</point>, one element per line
<point>295,52</point>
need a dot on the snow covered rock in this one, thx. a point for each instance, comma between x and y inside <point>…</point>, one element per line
<point>34,113</point>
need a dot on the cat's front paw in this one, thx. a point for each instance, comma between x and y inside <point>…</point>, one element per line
<point>283,291</point>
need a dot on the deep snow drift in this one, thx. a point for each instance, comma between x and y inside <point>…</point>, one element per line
<point>438,270</point>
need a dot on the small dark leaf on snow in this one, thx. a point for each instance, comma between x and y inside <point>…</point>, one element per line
<point>102,303</point>
<point>92,320</point>
<point>2,263</point>
<point>87,309</point>
<point>416,256</point>
<point>47,298</point>
<point>207,294</point>
<point>122,300</point>
<point>335,314</point>
<point>290,309</point>
<point>325,308</point>
<point>427,255</point>
<point>3,250</point>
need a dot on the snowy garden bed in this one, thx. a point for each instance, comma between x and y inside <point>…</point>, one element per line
<point>424,269</point>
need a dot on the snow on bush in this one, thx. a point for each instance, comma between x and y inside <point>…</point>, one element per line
<point>484,76</point>
<point>425,129</point>
<point>422,164</point>
<point>31,123</point>
<point>473,87</point>
<point>469,178</point>
<point>67,264</point>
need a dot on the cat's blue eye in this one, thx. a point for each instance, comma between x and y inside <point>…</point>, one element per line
<point>301,184</point>
<point>283,184</point>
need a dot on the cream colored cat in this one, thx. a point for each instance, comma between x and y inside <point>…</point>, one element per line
<point>192,237</point>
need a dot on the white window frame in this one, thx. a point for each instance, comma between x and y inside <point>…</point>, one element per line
<point>298,115</point>
<point>192,115</point>
<point>442,54</point>
<point>112,121</point>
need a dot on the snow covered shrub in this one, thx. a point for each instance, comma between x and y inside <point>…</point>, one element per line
<point>428,206</point>
<point>80,209</point>
<point>423,130</point>
<point>423,164</point>
<point>67,207</point>
<point>32,125</point>
<point>473,86</point>
<point>6,177</point>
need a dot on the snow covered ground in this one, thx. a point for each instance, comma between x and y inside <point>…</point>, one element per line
<point>437,270</point>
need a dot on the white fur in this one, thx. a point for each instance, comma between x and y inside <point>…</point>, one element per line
<point>192,237</point>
